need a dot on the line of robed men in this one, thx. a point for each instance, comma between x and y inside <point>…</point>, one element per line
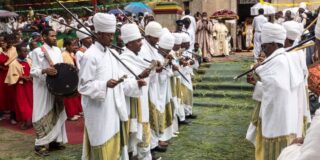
<point>133,114</point>
<point>133,117</point>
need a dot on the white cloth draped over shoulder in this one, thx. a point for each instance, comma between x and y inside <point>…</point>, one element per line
<point>279,110</point>
<point>43,100</point>
<point>150,53</point>
<point>103,107</point>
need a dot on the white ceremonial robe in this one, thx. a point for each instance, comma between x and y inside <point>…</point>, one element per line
<point>138,65</point>
<point>187,71</point>
<point>150,53</point>
<point>192,33</point>
<point>193,24</point>
<point>79,55</point>
<point>176,100</point>
<point>165,95</point>
<point>257,24</point>
<point>43,100</point>
<point>298,65</point>
<point>279,110</point>
<point>309,149</point>
<point>221,42</point>
<point>103,107</point>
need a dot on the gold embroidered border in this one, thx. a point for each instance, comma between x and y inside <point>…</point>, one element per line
<point>186,95</point>
<point>160,121</point>
<point>110,150</point>
<point>146,136</point>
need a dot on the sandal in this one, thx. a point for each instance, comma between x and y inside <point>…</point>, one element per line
<point>41,151</point>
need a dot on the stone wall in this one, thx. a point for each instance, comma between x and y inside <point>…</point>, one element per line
<point>167,20</point>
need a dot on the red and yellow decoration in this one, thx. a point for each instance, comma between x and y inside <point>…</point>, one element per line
<point>224,15</point>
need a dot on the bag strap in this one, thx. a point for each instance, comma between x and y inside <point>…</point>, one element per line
<point>47,56</point>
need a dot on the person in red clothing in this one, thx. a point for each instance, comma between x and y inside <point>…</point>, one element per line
<point>3,73</point>
<point>72,104</point>
<point>7,77</point>
<point>24,99</point>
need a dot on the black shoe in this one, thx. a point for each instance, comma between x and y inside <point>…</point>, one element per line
<point>185,122</point>
<point>53,146</point>
<point>159,149</point>
<point>192,116</point>
<point>41,151</point>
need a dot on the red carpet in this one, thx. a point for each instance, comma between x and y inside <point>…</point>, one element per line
<point>74,130</point>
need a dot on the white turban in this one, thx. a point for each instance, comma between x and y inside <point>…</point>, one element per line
<point>317,28</point>
<point>104,22</point>
<point>81,35</point>
<point>294,29</point>
<point>166,41</point>
<point>185,38</point>
<point>303,5</point>
<point>165,31</point>
<point>153,29</point>
<point>130,32</point>
<point>273,33</point>
<point>177,38</point>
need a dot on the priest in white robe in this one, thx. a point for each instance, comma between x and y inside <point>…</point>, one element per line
<point>162,131</point>
<point>153,32</point>
<point>298,63</point>
<point>138,107</point>
<point>48,115</point>
<point>220,35</point>
<point>278,115</point>
<point>103,94</point>
<point>175,81</point>
<point>257,24</point>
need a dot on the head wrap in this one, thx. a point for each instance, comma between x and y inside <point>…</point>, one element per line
<point>166,41</point>
<point>317,28</point>
<point>130,32</point>
<point>81,35</point>
<point>165,30</point>
<point>153,29</point>
<point>303,5</point>
<point>185,38</point>
<point>104,22</point>
<point>294,29</point>
<point>273,33</point>
<point>177,38</point>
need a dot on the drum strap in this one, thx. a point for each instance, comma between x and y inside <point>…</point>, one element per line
<point>47,56</point>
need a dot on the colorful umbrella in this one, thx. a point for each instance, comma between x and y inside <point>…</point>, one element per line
<point>117,11</point>
<point>4,13</point>
<point>137,7</point>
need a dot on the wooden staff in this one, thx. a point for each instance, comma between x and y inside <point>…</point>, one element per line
<point>264,62</point>
<point>311,24</point>
<point>93,35</point>
<point>185,78</point>
<point>154,46</point>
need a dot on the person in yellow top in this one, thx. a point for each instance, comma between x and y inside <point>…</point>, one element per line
<point>72,104</point>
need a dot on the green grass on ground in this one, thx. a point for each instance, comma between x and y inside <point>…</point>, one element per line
<point>217,134</point>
